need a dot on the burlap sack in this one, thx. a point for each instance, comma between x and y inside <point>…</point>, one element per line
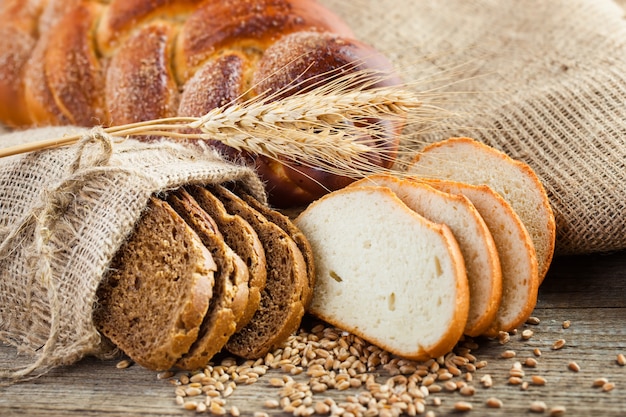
<point>63,215</point>
<point>542,80</point>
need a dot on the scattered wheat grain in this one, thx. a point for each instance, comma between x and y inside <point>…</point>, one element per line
<point>609,386</point>
<point>190,405</point>
<point>165,375</point>
<point>600,382</point>
<point>463,406</point>
<point>507,354</point>
<point>487,381</point>
<point>504,337</point>
<point>493,402</point>
<point>123,364</point>
<point>538,380</point>
<point>538,407</point>
<point>531,362</point>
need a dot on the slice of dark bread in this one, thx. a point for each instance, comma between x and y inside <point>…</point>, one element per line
<point>292,230</point>
<point>230,292</point>
<point>243,239</point>
<point>153,300</point>
<point>282,300</point>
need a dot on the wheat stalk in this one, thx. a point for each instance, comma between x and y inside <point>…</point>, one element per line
<point>325,127</point>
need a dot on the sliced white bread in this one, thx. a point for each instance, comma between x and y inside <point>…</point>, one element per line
<point>518,261</point>
<point>385,273</point>
<point>479,251</point>
<point>467,160</point>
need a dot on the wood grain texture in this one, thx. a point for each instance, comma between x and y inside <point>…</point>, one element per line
<point>589,291</point>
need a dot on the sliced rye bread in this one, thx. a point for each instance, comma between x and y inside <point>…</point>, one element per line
<point>243,239</point>
<point>296,234</point>
<point>282,300</point>
<point>520,280</point>
<point>385,273</point>
<point>153,300</point>
<point>230,292</point>
<point>479,251</point>
<point>467,160</point>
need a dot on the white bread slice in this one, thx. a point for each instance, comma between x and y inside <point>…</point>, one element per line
<point>467,160</point>
<point>518,261</point>
<point>479,251</point>
<point>385,273</point>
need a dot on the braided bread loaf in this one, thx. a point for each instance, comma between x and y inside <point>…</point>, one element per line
<point>122,61</point>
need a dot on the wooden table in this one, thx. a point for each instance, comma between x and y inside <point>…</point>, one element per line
<point>587,291</point>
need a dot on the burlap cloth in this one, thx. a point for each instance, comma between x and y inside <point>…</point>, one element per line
<point>63,215</point>
<point>542,80</point>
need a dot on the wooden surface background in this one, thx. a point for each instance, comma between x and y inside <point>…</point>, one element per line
<point>588,291</point>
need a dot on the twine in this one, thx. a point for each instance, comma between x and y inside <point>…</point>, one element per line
<point>41,220</point>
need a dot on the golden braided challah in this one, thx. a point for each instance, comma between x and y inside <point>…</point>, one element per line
<point>122,61</point>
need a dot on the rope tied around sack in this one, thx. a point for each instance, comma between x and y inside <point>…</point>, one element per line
<point>93,154</point>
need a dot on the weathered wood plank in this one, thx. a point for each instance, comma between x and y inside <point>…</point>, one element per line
<point>588,291</point>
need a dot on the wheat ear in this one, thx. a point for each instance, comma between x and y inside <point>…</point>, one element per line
<point>324,127</point>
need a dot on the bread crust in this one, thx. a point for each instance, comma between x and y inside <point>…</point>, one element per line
<point>296,234</point>
<point>282,301</point>
<point>250,26</point>
<point>140,84</point>
<point>509,237</point>
<point>244,240</point>
<point>124,61</point>
<point>386,202</point>
<point>230,299</point>
<point>539,221</point>
<point>18,37</point>
<point>145,306</point>
<point>476,243</point>
<point>77,82</point>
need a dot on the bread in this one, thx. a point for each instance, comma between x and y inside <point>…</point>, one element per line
<point>123,61</point>
<point>469,161</point>
<point>482,263</point>
<point>295,233</point>
<point>385,273</point>
<point>153,300</point>
<point>282,301</point>
<point>243,239</point>
<point>518,261</point>
<point>230,291</point>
